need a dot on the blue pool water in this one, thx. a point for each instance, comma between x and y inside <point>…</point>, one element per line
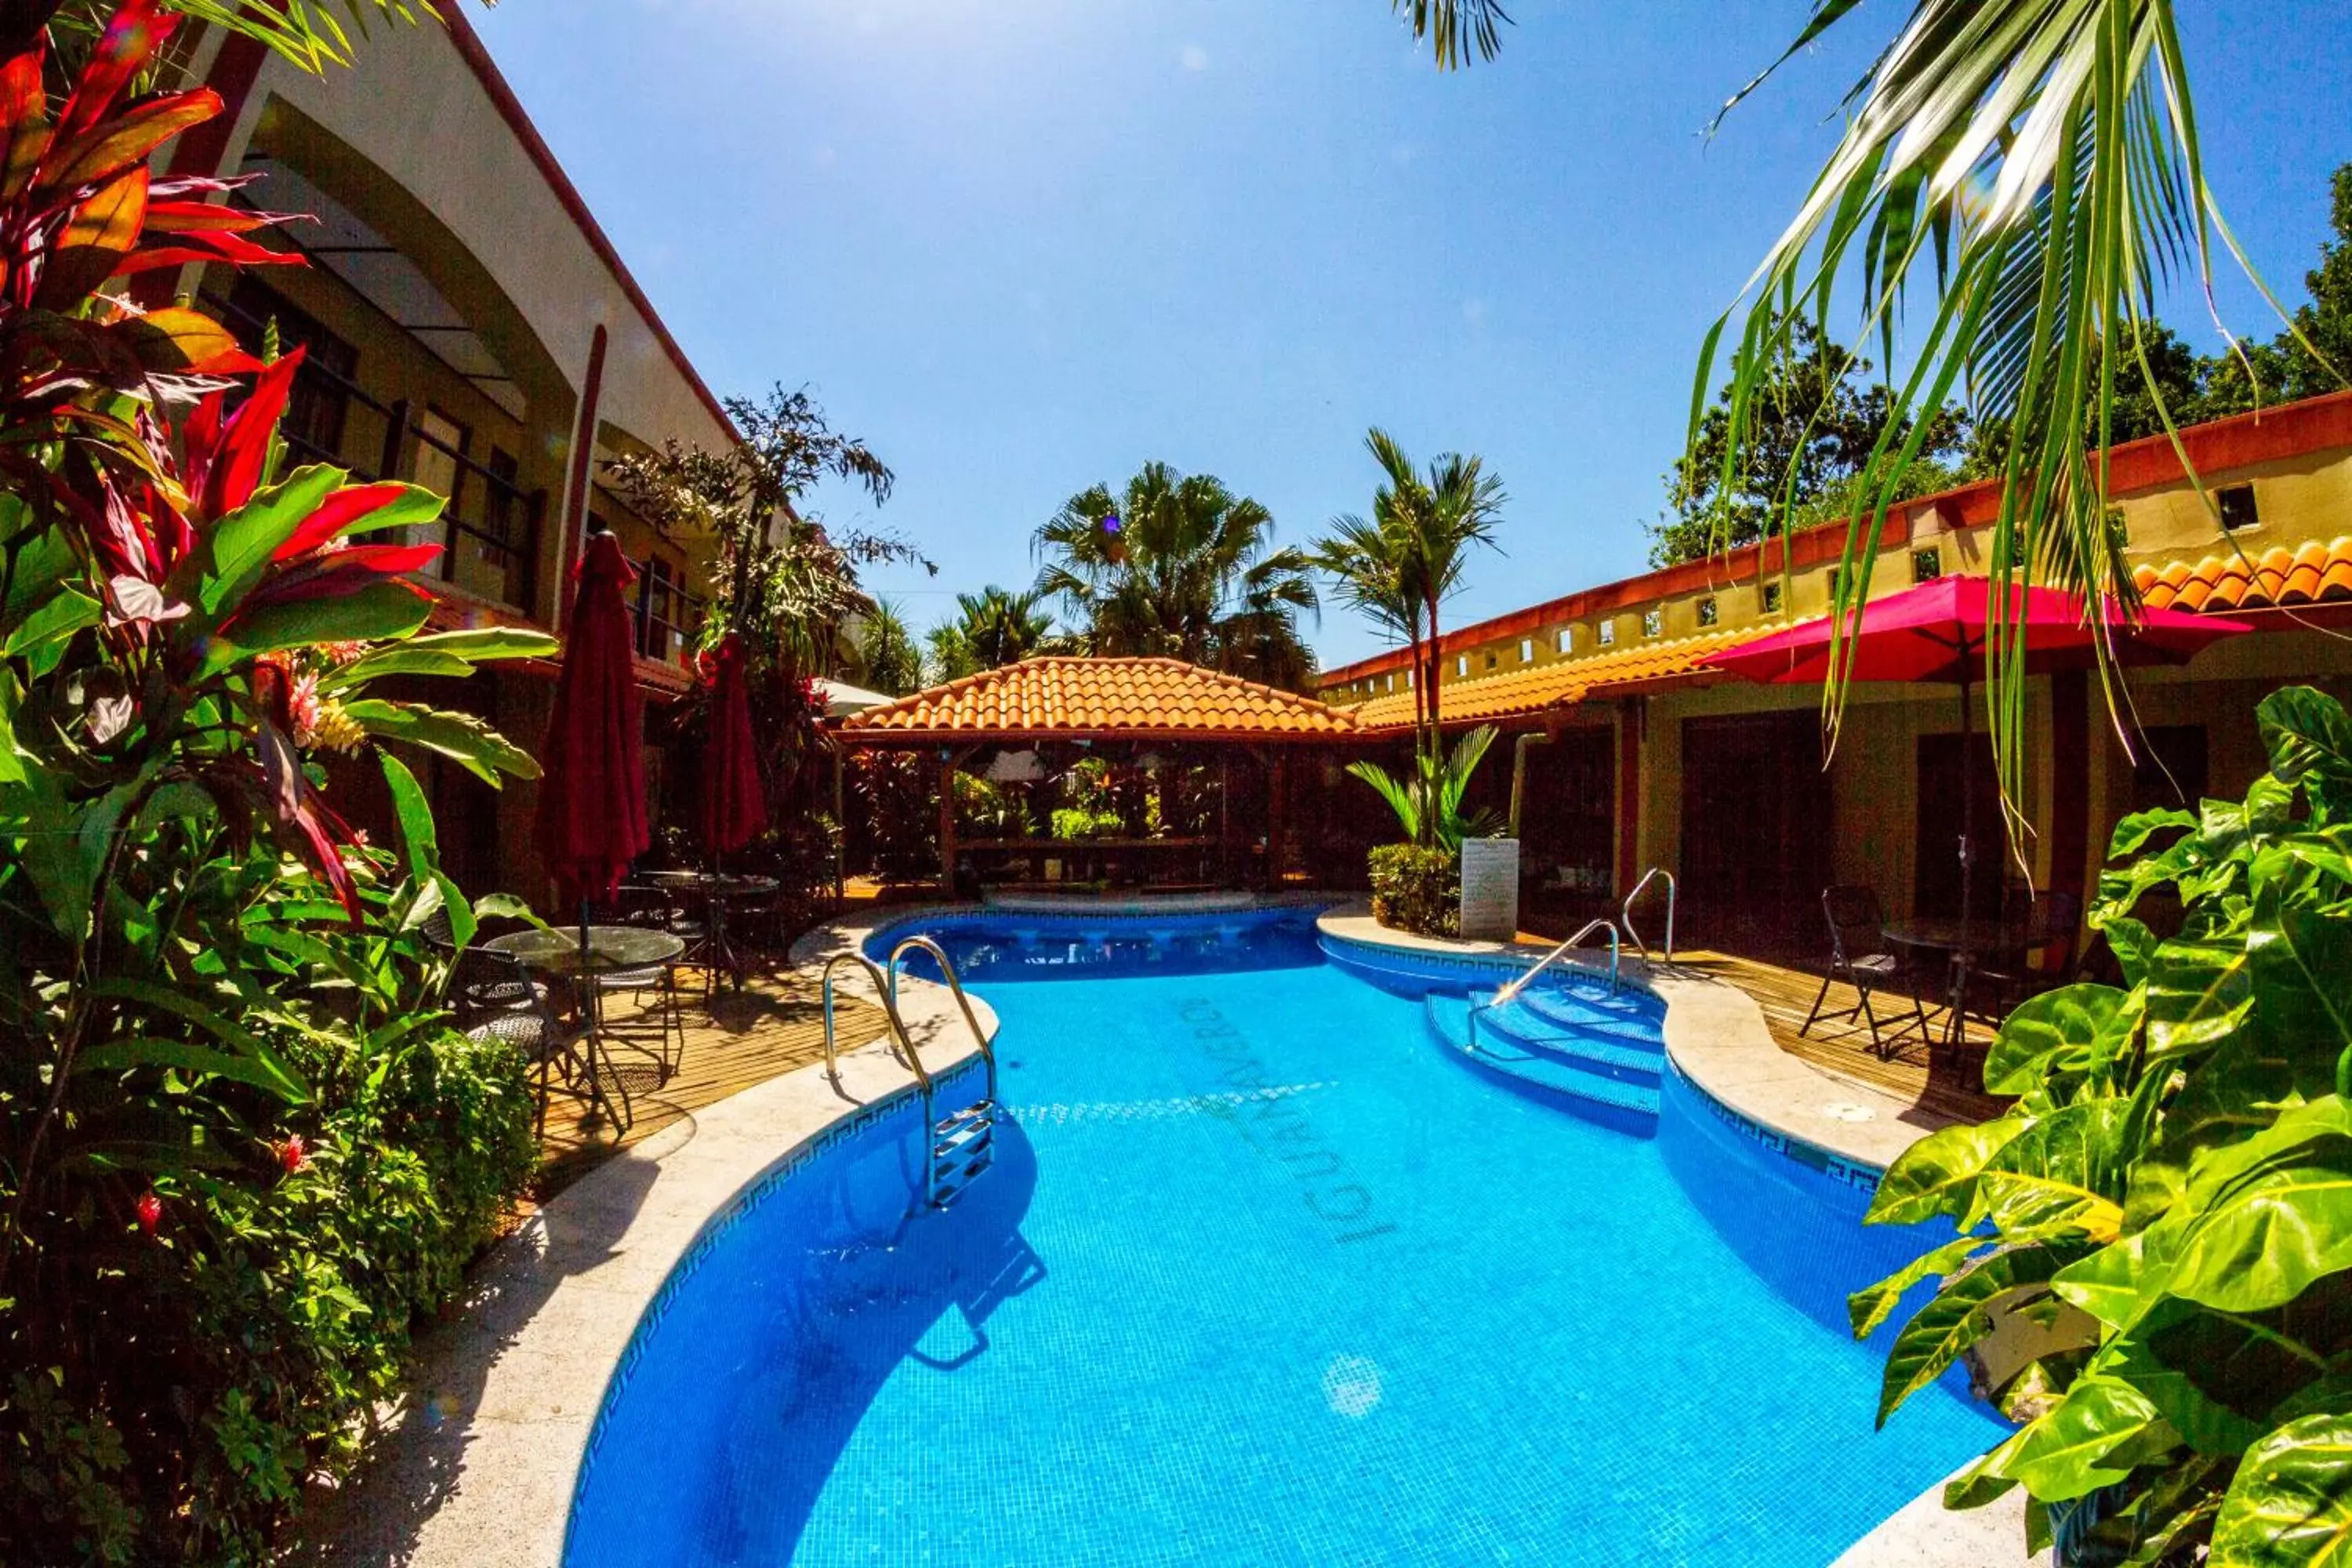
<point>1262,1275</point>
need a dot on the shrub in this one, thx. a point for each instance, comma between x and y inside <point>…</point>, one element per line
<point>2164,1206</point>
<point>1417,888</point>
<point>239,1147</point>
<point>1076,822</point>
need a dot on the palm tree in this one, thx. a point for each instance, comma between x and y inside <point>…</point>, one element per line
<point>1401,565</point>
<point>991,629</point>
<point>887,659</point>
<point>1177,565</point>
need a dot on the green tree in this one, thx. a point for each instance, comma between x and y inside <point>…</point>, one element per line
<point>887,658</point>
<point>989,630</point>
<point>1812,424</point>
<point>1400,567</point>
<point>1178,566</point>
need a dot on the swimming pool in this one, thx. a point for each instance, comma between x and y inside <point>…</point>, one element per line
<point>1265,1273</point>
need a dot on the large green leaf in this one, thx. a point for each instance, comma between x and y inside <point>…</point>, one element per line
<point>2309,737</point>
<point>2290,1504</point>
<point>232,554</point>
<point>1961,1314</point>
<point>2266,1239</point>
<point>386,609</point>
<point>418,842</point>
<point>2089,1440</point>
<point>143,1051</point>
<point>1937,1175</point>
<point>2198,994</point>
<point>459,736</point>
<point>68,611</point>
<point>2068,1029</point>
<point>1868,1308</point>
<point>2067,1169</point>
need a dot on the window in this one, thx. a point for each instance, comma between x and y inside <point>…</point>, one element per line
<point>1392,679</point>
<point>317,402</point>
<point>440,442</point>
<point>1608,630</point>
<point>1492,660</point>
<point>1526,650</point>
<point>1653,622</point>
<point>2238,508</point>
<point>1461,667</point>
<point>1707,614</point>
<point>1770,598</point>
<point>1568,639</point>
<point>1927,565</point>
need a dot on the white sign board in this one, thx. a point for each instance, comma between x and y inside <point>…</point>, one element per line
<point>1490,889</point>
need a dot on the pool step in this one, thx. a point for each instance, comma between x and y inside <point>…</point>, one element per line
<point>964,1145</point>
<point>1624,1015</point>
<point>1627,1106</point>
<point>1611,1049</point>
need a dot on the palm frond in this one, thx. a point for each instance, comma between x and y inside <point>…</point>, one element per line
<point>1456,29</point>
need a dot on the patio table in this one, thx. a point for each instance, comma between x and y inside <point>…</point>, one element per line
<point>1941,934</point>
<point>612,950</point>
<point>717,889</point>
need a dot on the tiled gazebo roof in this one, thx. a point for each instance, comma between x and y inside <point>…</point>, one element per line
<point>1100,700</point>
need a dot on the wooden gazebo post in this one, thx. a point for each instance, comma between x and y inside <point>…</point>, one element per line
<point>1276,778</point>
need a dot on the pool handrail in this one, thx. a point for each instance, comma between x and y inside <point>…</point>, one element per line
<point>939,955</point>
<point>886,993</point>
<point>1627,913</point>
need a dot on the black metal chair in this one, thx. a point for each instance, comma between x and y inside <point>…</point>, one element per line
<point>1859,955</point>
<point>548,1043</point>
<point>479,984</point>
<point>2035,952</point>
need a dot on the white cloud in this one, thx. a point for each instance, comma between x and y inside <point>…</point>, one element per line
<point>1193,57</point>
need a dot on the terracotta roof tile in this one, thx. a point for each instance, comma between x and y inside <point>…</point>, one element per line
<point>2312,573</point>
<point>1557,685</point>
<point>1103,698</point>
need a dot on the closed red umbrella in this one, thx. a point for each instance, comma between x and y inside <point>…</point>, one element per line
<point>734,807</point>
<point>592,798</point>
<point>1937,632</point>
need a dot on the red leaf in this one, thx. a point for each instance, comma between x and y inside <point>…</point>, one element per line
<point>168,217</point>
<point>106,148</point>
<point>24,121</point>
<point>344,574</point>
<point>203,249</point>
<point>136,33</point>
<point>337,512</point>
<point>236,465</point>
<point>176,340</point>
<point>94,241</point>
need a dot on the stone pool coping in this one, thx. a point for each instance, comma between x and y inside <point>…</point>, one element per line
<point>477,1468</point>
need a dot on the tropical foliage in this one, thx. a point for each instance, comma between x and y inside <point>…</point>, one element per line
<point>1417,888</point>
<point>1398,567</point>
<point>889,660</point>
<point>239,1147</point>
<point>1428,803</point>
<point>2164,1210</point>
<point>1178,566</point>
<point>1812,423</point>
<point>989,630</point>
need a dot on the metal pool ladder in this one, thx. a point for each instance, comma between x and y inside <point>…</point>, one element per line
<point>1626,915</point>
<point>961,1145</point>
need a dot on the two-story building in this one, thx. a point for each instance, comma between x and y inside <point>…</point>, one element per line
<point>469,328</point>
<point>1635,753</point>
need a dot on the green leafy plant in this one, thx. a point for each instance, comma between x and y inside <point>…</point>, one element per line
<point>1428,802</point>
<point>1417,888</point>
<point>239,1145</point>
<point>2165,1216</point>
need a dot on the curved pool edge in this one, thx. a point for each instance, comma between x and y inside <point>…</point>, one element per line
<point>1720,1044</point>
<point>476,1466</point>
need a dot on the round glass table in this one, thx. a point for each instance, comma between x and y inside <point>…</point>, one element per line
<point>716,954</point>
<point>617,958</point>
<point>555,949</point>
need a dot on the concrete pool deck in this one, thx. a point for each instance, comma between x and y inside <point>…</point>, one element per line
<point>477,1468</point>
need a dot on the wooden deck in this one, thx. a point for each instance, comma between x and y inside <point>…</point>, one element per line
<point>774,1025</point>
<point>1844,1047</point>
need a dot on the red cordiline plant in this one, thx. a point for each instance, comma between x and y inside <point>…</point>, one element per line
<point>202,967</point>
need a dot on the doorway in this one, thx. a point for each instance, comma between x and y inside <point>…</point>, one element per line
<point>1935,879</point>
<point>1756,828</point>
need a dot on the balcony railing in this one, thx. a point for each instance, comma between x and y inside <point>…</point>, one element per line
<point>496,554</point>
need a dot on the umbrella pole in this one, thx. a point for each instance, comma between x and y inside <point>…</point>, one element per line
<point>1960,960</point>
<point>585,999</point>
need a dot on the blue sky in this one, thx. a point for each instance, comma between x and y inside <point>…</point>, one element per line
<point>1021,247</point>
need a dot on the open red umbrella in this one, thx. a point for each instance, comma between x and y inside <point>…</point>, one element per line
<point>734,808</point>
<point>1937,632</point>
<point>592,798</point>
